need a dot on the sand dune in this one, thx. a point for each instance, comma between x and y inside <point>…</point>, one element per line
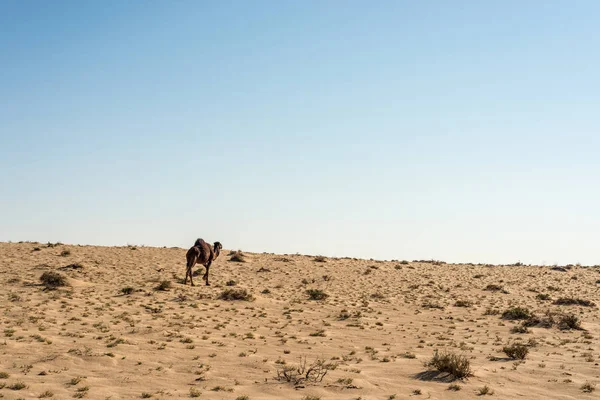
<point>110,334</point>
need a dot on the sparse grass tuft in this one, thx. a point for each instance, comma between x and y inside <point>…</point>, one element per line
<point>454,387</point>
<point>485,390</point>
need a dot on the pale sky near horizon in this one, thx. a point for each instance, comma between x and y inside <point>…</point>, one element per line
<point>465,131</point>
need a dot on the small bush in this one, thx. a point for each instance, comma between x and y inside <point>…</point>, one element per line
<point>463,303</point>
<point>46,394</point>
<point>456,365</point>
<point>236,294</point>
<point>569,321</point>
<point>127,290</point>
<point>493,288</point>
<point>516,351</point>
<point>543,296</point>
<point>65,253</point>
<point>320,259</point>
<point>231,283</point>
<point>516,313</point>
<point>485,390</point>
<point>17,386</point>
<point>237,256</point>
<point>316,294</point>
<point>4,375</point>
<point>266,291</point>
<point>569,301</point>
<point>588,387</point>
<point>454,387</point>
<point>164,285</point>
<point>53,280</point>
<point>519,329</point>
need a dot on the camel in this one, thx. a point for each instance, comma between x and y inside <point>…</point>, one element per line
<point>201,253</point>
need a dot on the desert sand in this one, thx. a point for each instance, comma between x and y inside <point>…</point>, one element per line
<point>111,333</point>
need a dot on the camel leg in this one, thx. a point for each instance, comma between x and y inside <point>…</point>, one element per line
<point>205,277</point>
<point>190,273</point>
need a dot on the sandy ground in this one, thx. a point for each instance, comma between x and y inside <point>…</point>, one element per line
<point>380,322</point>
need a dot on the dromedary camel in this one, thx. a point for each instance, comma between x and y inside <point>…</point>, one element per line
<point>201,253</point>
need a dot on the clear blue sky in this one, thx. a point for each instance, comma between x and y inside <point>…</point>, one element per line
<point>461,131</point>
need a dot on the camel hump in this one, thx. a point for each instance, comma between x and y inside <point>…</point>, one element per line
<point>200,243</point>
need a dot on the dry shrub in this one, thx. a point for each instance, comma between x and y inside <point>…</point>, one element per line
<point>164,285</point>
<point>236,294</point>
<point>53,280</point>
<point>516,351</point>
<point>569,301</point>
<point>316,294</point>
<point>237,256</point>
<point>516,313</point>
<point>569,321</point>
<point>301,373</point>
<point>455,364</point>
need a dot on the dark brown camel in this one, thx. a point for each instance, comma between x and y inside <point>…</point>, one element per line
<point>201,253</point>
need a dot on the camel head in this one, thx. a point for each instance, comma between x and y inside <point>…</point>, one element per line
<point>217,248</point>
